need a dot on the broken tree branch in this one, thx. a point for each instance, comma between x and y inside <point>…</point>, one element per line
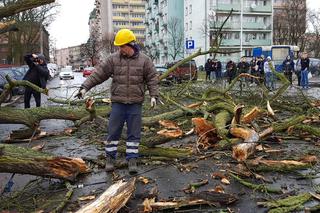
<point>21,160</point>
<point>113,199</point>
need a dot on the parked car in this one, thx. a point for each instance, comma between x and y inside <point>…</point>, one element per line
<point>161,69</point>
<point>186,71</point>
<point>14,75</point>
<point>66,73</point>
<point>314,66</point>
<point>88,71</point>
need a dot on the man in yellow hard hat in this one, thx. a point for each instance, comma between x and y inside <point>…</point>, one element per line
<point>131,71</point>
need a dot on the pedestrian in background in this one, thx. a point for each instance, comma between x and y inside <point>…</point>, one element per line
<point>269,79</point>
<point>288,68</point>
<point>131,72</point>
<point>208,68</point>
<point>253,69</point>
<point>217,69</point>
<point>231,68</point>
<point>243,67</point>
<point>37,74</point>
<point>305,61</point>
<point>260,64</point>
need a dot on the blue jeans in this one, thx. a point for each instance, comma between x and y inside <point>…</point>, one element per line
<point>219,74</point>
<point>269,80</point>
<point>121,113</point>
<point>304,79</point>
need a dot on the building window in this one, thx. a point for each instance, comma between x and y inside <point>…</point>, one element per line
<point>186,26</point>
<point>186,11</point>
<point>190,8</point>
<point>190,25</point>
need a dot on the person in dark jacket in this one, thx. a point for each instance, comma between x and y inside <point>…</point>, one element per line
<point>231,70</point>
<point>305,61</point>
<point>217,69</point>
<point>260,72</point>
<point>37,74</point>
<point>253,69</point>
<point>131,72</point>
<point>243,67</point>
<point>208,67</point>
<point>288,68</point>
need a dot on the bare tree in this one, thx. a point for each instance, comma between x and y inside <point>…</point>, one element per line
<point>107,44</point>
<point>313,37</point>
<point>290,23</point>
<point>175,38</point>
<point>153,53</point>
<point>30,24</point>
<point>92,49</point>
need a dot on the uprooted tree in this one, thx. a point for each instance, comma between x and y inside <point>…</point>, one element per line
<point>219,105</point>
<point>221,117</point>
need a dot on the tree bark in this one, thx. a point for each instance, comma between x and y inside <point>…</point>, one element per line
<point>32,117</point>
<point>113,199</point>
<point>21,160</point>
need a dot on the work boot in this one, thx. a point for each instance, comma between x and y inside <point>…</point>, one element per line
<point>109,164</point>
<point>132,164</point>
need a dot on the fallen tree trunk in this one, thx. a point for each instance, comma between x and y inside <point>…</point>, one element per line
<point>201,198</point>
<point>32,117</point>
<point>21,160</point>
<point>277,165</point>
<point>113,199</point>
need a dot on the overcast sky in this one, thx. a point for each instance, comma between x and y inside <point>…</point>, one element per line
<point>71,25</point>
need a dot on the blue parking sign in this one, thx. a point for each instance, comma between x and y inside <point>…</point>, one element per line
<point>189,44</point>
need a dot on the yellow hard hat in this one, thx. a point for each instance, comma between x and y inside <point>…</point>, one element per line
<point>124,36</point>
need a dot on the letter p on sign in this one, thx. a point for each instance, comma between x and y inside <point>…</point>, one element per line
<point>189,44</point>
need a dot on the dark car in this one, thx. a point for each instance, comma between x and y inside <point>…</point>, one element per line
<point>186,71</point>
<point>14,74</point>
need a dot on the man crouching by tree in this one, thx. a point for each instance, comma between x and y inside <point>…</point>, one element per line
<point>37,74</point>
<point>130,71</point>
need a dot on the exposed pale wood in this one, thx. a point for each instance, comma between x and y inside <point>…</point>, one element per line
<point>242,151</point>
<point>21,160</point>
<point>250,116</point>
<point>113,199</point>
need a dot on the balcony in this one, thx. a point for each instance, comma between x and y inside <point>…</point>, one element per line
<point>136,19</point>
<point>140,27</point>
<point>230,42</point>
<point>261,9</point>
<point>256,26</point>
<point>227,25</point>
<point>228,7</point>
<point>257,42</point>
<point>119,18</point>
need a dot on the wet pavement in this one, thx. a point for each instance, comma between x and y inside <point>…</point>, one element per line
<point>166,177</point>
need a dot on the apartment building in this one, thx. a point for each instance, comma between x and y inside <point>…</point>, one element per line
<point>249,25</point>
<point>113,15</point>
<point>70,56</point>
<point>164,30</point>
